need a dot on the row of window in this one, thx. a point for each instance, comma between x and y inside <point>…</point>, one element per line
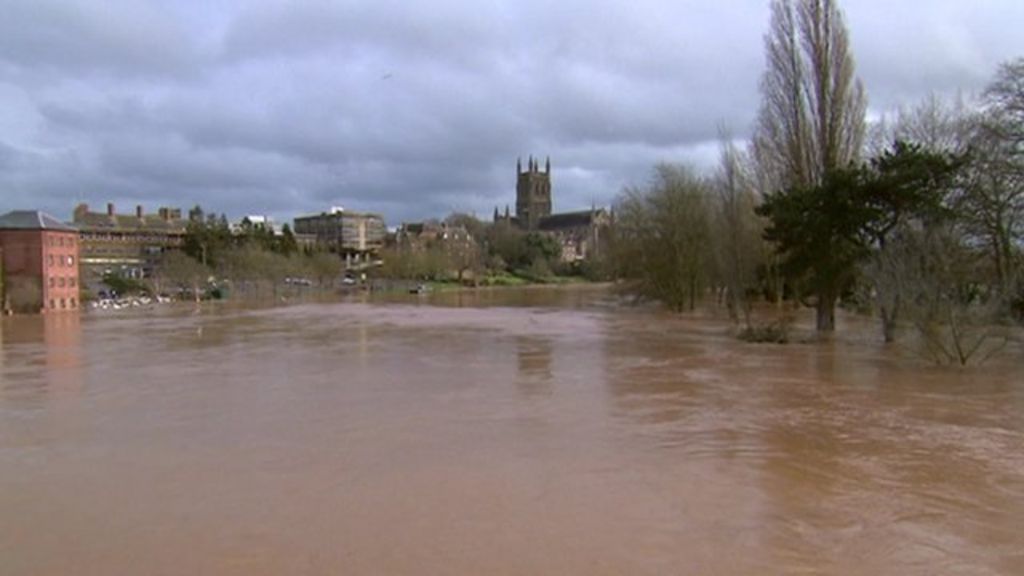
<point>65,303</point>
<point>62,282</point>
<point>60,260</point>
<point>59,241</point>
<point>160,238</point>
<point>132,250</point>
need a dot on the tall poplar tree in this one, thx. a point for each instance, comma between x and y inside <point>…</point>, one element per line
<point>812,111</point>
<point>809,131</point>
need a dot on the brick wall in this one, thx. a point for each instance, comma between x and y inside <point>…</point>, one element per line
<point>41,269</point>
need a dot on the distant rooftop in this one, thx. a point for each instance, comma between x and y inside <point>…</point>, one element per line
<point>166,219</point>
<point>569,219</point>
<point>32,220</point>
<point>341,212</point>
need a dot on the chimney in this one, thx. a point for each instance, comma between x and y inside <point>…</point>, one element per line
<point>138,211</point>
<point>80,211</point>
<point>110,209</point>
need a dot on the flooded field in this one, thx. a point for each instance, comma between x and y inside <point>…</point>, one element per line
<point>506,432</point>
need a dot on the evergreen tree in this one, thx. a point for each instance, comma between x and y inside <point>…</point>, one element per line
<point>821,233</point>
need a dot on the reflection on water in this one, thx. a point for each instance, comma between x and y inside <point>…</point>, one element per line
<point>41,358</point>
<point>534,364</point>
<point>500,432</point>
<point>41,380</point>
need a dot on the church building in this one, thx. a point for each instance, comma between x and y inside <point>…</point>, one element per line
<point>581,233</point>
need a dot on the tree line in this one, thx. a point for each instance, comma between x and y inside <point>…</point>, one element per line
<point>478,252</point>
<point>918,218</point>
<point>252,260</point>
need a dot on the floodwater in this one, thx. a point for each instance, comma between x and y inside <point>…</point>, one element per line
<point>508,432</point>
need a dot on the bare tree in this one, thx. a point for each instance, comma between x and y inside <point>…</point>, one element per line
<point>181,274</point>
<point>937,124</point>
<point>934,126</point>
<point>324,266</point>
<point>993,198</point>
<point>1005,99</point>
<point>956,322</point>
<point>662,237</point>
<point>905,188</point>
<point>812,113</point>
<point>740,250</point>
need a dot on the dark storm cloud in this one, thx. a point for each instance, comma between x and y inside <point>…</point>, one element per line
<point>412,109</point>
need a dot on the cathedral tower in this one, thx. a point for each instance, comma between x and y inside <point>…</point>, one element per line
<point>533,193</point>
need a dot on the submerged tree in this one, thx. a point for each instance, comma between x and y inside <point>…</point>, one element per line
<point>820,231</point>
<point>905,189</point>
<point>956,319</point>
<point>663,239</point>
<point>992,204</point>
<point>740,251</point>
<point>807,143</point>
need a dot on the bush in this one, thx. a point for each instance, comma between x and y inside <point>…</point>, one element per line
<point>124,286</point>
<point>774,333</point>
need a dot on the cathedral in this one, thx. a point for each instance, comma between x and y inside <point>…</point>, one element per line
<point>580,233</point>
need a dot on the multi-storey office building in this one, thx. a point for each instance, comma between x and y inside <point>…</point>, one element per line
<point>127,245</point>
<point>347,233</point>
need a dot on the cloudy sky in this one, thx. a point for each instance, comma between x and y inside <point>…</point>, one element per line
<point>415,109</point>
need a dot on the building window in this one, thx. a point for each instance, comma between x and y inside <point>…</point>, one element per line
<point>71,260</point>
<point>73,304</point>
<point>62,282</point>
<point>52,241</point>
<point>49,260</point>
<point>53,282</point>
<point>53,304</point>
<point>72,282</point>
<point>63,304</point>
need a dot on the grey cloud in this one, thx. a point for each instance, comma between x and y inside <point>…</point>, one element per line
<point>76,37</point>
<point>906,50</point>
<point>396,32</point>
<point>413,109</point>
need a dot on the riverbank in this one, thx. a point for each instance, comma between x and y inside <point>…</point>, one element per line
<point>372,290</point>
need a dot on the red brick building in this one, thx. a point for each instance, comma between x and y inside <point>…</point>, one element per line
<point>40,263</point>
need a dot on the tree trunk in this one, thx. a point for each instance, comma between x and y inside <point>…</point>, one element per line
<point>826,313</point>
<point>693,292</point>
<point>889,316</point>
<point>732,304</point>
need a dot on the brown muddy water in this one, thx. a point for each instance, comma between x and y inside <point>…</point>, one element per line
<point>510,432</point>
